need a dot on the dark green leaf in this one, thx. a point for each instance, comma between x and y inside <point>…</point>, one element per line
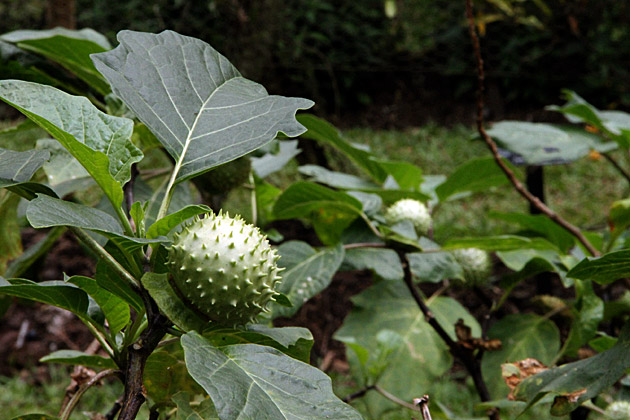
<point>292,341</point>
<point>163,226</point>
<point>116,311</point>
<point>69,48</point>
<point>165,375</point>
<point>111,281</point>
<point>474,175</point>
<point>322,131</point>
<point>500,243</point>
<point>604,269</point>
<point>54,293</point>
<point>73,357</point>
<point>198,106</point>
<point>541,225</point>
<point>202,411</point>
<point>259,382</point>
<point>35,417</point>
<point>382,261</point>
<point>10,240</point>
<point>433,267</point>
<point>171,304</point>
<point>330,211</point>
<point>98,141</point>
<point>522,336</point>
<point>45,211</point>
<point>588,313</point>
<point>585,379</point>
<point>307,278</point>
<point>407,175</point>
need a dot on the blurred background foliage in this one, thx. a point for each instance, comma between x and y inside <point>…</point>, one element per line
<point>410,57</point>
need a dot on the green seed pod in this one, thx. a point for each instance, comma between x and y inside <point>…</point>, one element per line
<point>224,268</point>
<point>618,410</point>
<point>409,209</point>
<point>476,265</point>
<point>224,178</point>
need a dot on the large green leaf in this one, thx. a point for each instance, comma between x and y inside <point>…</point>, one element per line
<point>194,100</point>
<point>390,306</point>
<point>247,381</point>
<point>165,375</point>
<point>69,48</point>
<point>322,131</point>
<point>45,211</point>
<point>292,341</point>
<point>574,383</point>
<point>98,141</point>
<point>64,173</point>
<point>35,417</point>
<point>614,124</point>
<point>331,211</point>
<point>522,336</point>
<point>433,267</point>
<point>604,269</point>
<point>545,144</point>
<point>186,411</point>
<point>308,273</point>
<point>475,175</point>
<point>337,179</point>
<point>20,166</point>
<point>541,225</point>
<point>115,309</point>
<point>382,261</point>
<point>54,293</point>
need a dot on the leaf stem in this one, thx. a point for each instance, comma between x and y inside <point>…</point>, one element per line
<point>104,255</point>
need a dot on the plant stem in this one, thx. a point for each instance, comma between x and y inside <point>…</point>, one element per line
<point>617,166</point>
<point>101,253</point>
<point>468,357</point>
<point>137,355</point>
<point>253,198</point>
<point>77,396</point>
<point>518,186</point>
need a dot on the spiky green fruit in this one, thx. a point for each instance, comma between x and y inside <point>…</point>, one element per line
<point>475,264</point>
<point>618,410</point>
<point>409,209</point>
<point>223,268</point>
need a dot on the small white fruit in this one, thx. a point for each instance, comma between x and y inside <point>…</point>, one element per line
<point>618,410</point>
<point>409,209</point>
<point>476,265</point>
<point>224,268</point>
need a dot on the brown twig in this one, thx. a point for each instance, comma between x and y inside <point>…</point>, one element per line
<point>518,186</point>
<point>617,166</point>
<point>77,396</point>
<point>467,357</point>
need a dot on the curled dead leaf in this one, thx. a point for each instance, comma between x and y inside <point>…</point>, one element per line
<point>514,373</point>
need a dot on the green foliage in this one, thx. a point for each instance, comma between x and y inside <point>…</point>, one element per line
<point>197,345</point>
